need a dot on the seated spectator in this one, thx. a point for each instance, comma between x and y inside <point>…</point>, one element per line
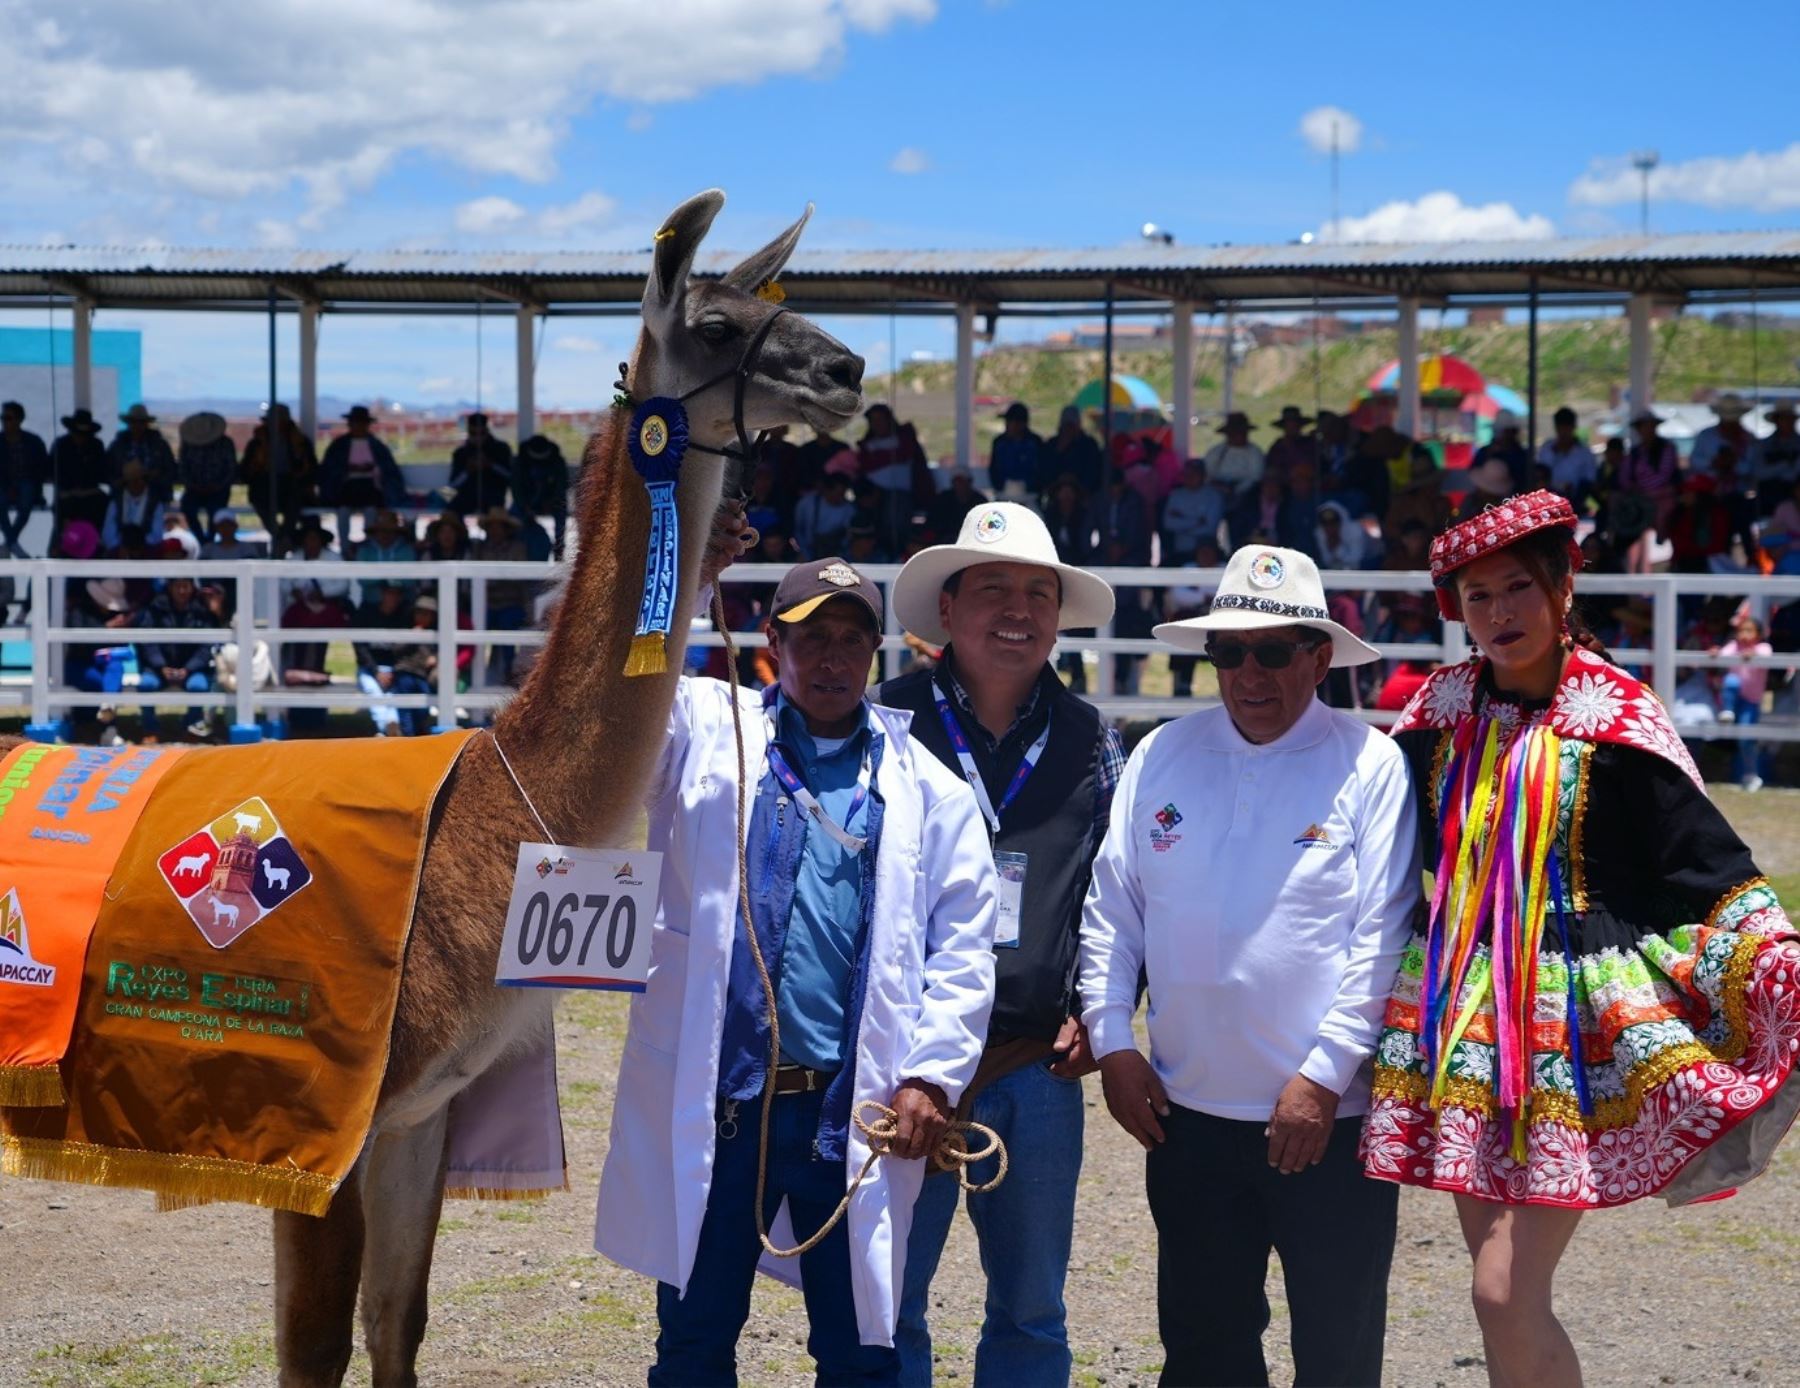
<point>1410,551</point>
<point>178,542</point>
<point>1730,432</point>
<point>377,675</point>
<point>811,459</point>
<point>208,467</point>
<point>303,663</point>
<point>1184,600</point>
<point>280,471</point>
<point>1071,526</point>
<point>315,548</point>
<point>1741,699</point>
<point>1071,451</point>
<point>1409,620</point>
<point>480,469</point>
<point>1700,527</point>
<point>1651,473</point>
<point>135,504</point>
<point>388,542</point>
<point>167,663</point>
<point>892,460</point>
<point>1421,501</point>
<point>1365,482</point>
<point>109,668</point>
<point>1778,459</point>
<point>541,486</point>
<point>1123,524</point>
<point>1013,459</point>
<point>447,539</point>
<point>1294,447</point>
<point>1780,538</point>
<point>1489,483</point>
<point>762,507</point>
<point>358,471</point>
<point>138,443</point>
<point>1235,463</point>
<point>949,506</point>
<point>1193,512</point>
<point>1509,448</point>
<point>822,519</point>
<point>1268,515</point>
<point>24,467</point>
<point>508,599</point>
<point>79,471</point>
<point>1574,471</point>
<point>865,546</point>
<point>1338,541</point>
<point>226,545</point>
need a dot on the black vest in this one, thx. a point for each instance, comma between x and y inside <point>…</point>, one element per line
<point>1052,823</point>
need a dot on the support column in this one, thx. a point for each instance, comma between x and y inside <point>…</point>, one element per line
<point>1181,337</point>
<point>1406,418</point>
<point>1531,376</point>
<point>1228,392</point>
<point>527,371</point>
<point>309,371</point>
<point>83,316</point>
<point>1643,360</point>
<point>965,384</point>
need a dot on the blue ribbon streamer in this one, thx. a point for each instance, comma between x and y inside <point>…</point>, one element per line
<point>1575,1044</point>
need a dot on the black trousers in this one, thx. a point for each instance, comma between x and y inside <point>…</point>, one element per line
<point>1220,1207</point>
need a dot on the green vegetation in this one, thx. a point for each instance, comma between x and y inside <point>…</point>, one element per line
<point>156,1361</point>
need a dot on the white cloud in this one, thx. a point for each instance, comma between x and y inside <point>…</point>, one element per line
<point>1444,217</point>
<point>276,234</point>
<point>576,342</point>
<point>1316,129</point>
<point>586,210</point>
<point>639,121</point>
<point>909,161</point>
<point>186,103</point>
<point>1762,182</point>
<point>486,216</point>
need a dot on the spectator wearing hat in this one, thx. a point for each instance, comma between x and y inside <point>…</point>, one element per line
<point>208,467</point>
<point>106,606</point>
<point>168,663</point>
<point>133,505</point>
<point>1506,445</point>
<point>1490,481</point>
<point>822,517</point>
<point>1574,471</point>
<point>541,486</point>
<point>1014,459</point>
<point>1729,432</point>
<point>1267,997</point>
<point>893,461</point>
<point>24,466</point>
<point>388,542</point>
<point>949,506</point>
<point>1235,464</point>
<point>225,543</point>
<point>1651,473</point>
<point>508,599</point>
<point>303,662</point>
<point>280,469</point>
<point>1192,512</point>
<point>811,458</point>
<point>78,471</point>
<point>1777,459</point>
<point>1123,526</point>
<point>446,540</point>
<point>1294,447</point>
<point>389,606</point>
<point>1042,765</point>
<point>313,542</point>
<point>142,443</point>
<point>1070,452</point>
<point>358,471</point>
<point>480,469</point>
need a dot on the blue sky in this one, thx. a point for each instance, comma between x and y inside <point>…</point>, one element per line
<point>945,123</point>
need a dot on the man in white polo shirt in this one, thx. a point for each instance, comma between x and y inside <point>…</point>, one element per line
<point>1262,868</point>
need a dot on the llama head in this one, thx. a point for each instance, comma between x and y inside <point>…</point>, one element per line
<point>695,330</point>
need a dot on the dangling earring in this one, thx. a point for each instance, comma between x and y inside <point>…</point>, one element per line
<point>1568,630</point>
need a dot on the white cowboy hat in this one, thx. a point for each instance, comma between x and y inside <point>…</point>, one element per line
<point>1266,587</point>
<point>1000,532</point>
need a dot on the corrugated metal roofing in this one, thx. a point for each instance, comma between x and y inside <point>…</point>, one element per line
<point>1713,264</point>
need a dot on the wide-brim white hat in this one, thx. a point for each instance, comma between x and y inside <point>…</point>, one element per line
<point>1266,587</point>
<point>997,532</point>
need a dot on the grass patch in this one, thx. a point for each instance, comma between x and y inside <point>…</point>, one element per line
<point>155,1361</point>
<point>499,1286</point>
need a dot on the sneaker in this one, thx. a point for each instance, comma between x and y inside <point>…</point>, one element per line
<point>1728,715</point>
<point>1753,783</point>
<point>200,730</point>
<point>109,736</point>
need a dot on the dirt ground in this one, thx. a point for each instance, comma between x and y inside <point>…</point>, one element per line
<point>97,1289</point>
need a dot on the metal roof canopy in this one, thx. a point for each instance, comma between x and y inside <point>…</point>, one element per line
<point>1713,267</point>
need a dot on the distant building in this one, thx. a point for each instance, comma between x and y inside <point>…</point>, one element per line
<point>37,369</point>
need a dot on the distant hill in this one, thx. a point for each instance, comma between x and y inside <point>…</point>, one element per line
<point>1581,362</point>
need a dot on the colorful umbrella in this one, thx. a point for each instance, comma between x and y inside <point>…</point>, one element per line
<point>1438,374</point>
<point>1128,393</point>
<point>1485,404</point>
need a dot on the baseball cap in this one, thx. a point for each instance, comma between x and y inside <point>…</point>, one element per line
<point>811,584</point>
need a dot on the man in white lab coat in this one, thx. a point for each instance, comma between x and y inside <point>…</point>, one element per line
<point>873,894</point>
<point>1261,869</point>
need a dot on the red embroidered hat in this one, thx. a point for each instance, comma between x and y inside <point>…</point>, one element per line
<point>1494,529</point>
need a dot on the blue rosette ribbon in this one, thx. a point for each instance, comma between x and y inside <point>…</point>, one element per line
<point>657,441</point>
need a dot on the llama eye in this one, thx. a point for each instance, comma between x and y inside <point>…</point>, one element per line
<point>716,331</point>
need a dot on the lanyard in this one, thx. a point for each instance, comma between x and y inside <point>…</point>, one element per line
<point>972,773</point>
<point>810,802</point>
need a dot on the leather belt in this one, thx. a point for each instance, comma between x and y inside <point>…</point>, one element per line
<point>797,1079</point>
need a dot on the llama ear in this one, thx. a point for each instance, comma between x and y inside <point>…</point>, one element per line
<point>758,269</point>
<point>673,257</point>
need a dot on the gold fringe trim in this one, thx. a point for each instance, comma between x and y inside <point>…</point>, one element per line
<point>31,1086</point>
<point>1737,996</point>
<point>1712,917</point>
<point>1578,897</point>
<point>647,656</point>
<point>178,1181</point>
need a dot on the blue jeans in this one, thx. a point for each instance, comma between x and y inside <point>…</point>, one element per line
<point>1747,758</point>
<point>696,1343</point>
<point>149,681</point>
<point>1024,1228</point>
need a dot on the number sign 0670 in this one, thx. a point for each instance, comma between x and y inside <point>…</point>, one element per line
<point>579,919</point>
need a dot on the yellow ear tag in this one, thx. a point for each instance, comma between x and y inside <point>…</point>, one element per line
<point>772,293</point>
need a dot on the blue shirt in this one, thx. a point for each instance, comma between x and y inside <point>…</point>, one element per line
<point>819,953</point>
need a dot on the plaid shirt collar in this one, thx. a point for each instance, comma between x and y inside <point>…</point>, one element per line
<point>1022,716</point>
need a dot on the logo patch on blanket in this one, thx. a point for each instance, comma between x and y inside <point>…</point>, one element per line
<point>234,871</point>
<point>16,963</point>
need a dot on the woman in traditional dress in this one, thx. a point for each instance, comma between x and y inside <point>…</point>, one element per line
<point>1606,1002</point>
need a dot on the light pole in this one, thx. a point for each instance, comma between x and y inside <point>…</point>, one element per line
<point>1644,161</point>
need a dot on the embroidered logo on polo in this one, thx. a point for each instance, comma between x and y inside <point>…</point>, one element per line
<point>1163,837</point>
<point>235,871</point>
<point>16,963</point>
<point>1315,836</point>
<point>1267,570</point>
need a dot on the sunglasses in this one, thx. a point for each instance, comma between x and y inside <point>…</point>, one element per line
<point>1271,655</point>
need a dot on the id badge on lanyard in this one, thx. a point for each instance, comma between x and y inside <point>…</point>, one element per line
<point>809,802</point>
<point>1010,867</point>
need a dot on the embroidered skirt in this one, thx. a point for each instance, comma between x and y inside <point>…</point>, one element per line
<point>1688,1042</point>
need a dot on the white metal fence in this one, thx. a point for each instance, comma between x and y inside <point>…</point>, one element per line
<point>40,589</point>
